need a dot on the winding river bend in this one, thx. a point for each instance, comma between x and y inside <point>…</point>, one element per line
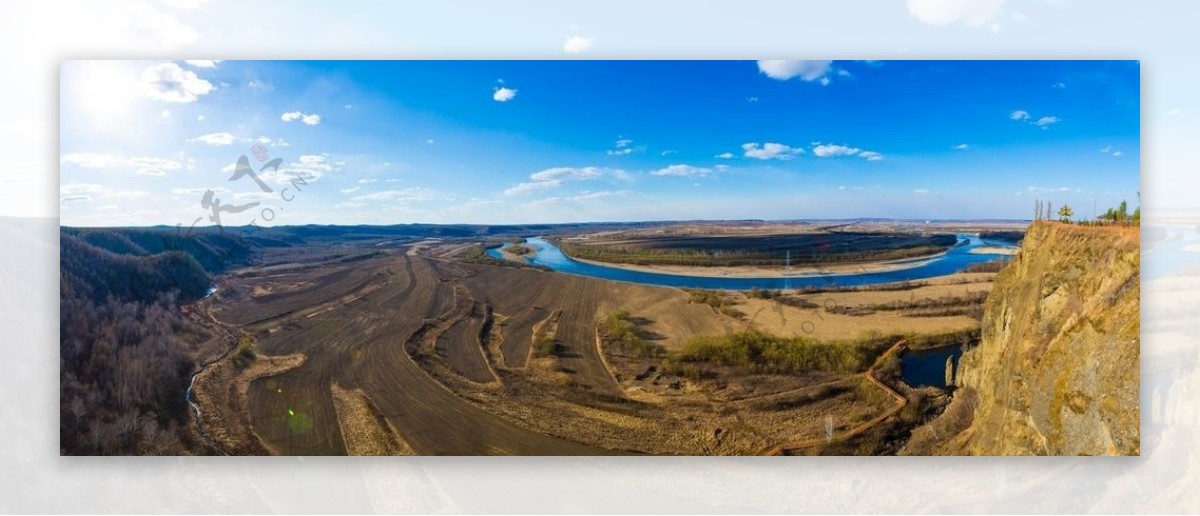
<point>954,260</point>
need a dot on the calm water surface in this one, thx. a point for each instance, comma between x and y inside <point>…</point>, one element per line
<point>955,260</point>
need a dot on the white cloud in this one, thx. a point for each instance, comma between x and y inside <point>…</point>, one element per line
<point>1059,85</point>
<point>504,94</point>
<point>725,155</point>
<point>146,26</point>
<point>962,146</point>
<point>568,173</point>
<point>197,191</point>
<point>784,70</point>
<point>307,118</point>
<point>203,63</point>
<point>350,190</point>
<point>309,168</point>
<point>402,195</point>
<point>199,118</point>
<point>827,150</point>
<point>1042,189</point>
<point>1047,120</point>
<point>214,138</point>
<point>870,155</point>
<point>148,166</point>
<point>532,187</point>
<point>922,191</point>
<point>583,197</point>
<point>682,171</point>
<point>1118,154</point>
<point>166,113</point>
<point>366,181</point>
<point>169,82</point>
<point>1019,114</point>
<point>76,192</point>
<point>770,150</point>
<point>90,159</point>
<point>972,13</point>
<point>1107,149</point>
<point>577,45</point>
<point>552,178</point>
<point>623,147</point>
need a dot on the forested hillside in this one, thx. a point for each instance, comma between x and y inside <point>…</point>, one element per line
<point>124,362</point>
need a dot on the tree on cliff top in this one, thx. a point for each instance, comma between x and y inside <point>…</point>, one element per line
<point>1065,213</point>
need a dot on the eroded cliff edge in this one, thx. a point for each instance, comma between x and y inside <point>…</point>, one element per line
<point>1056,370</point>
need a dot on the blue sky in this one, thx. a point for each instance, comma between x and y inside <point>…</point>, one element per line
<point>555,141</point>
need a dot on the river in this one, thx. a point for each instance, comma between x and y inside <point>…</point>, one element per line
<point>954,260</point>
<point>927,367</point>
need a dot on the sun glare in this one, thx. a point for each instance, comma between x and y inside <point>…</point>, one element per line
<point>103,91</point>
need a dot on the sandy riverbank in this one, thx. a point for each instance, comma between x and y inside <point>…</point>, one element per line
<point>994,249</point>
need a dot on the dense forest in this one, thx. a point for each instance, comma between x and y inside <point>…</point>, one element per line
<point>124,364</point>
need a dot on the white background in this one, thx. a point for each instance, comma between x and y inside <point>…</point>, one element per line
<point>36,35</point>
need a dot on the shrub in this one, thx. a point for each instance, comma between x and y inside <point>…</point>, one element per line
<point>620,329</point>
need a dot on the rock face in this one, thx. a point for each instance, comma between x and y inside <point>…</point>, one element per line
<point>1056,371</point>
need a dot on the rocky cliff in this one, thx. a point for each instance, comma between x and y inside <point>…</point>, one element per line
<point>1056,371</point>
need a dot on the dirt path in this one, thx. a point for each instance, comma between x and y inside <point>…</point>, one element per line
<point>901,402</point>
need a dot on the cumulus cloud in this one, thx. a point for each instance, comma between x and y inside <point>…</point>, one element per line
<point>962,146</point>
<point>214,138</point>
<point>307,118</point>
<point>169,82</point>
<point>972,13</point>
<point>1019,114</point>
<point>682,171</point>
<point>770,150</point>
<point>783,70</point>
<point>827,150</point>
<point>502,94</point>
<point>552,178</point>
<point>308,168</point>
<point>725,155</point>
<point>577,45</point>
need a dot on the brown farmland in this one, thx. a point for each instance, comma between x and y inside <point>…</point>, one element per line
<point>430,355</point>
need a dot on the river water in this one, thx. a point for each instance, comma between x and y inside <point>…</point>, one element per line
<point>927,367</point>
<point>954,260</point>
